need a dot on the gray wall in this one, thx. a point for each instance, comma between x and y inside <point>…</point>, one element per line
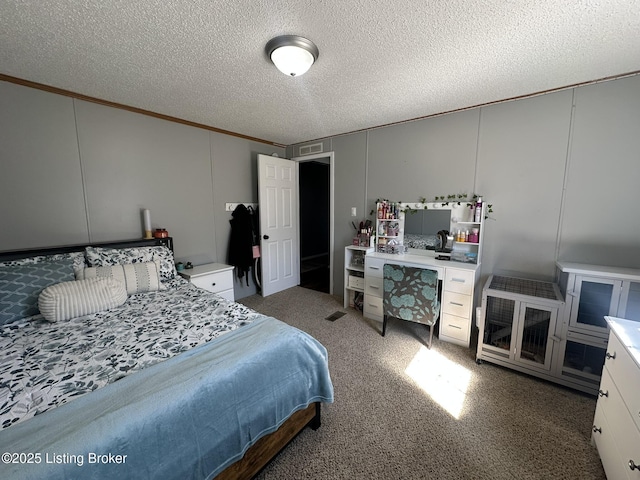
<point>74,172</point>
<point>561,170</point>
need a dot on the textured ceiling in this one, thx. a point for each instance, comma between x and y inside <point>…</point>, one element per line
<point>380,62</point>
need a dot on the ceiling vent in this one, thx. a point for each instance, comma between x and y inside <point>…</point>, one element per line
<point>311,149</point>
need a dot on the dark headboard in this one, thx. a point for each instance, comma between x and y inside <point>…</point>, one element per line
<point>32,252</point>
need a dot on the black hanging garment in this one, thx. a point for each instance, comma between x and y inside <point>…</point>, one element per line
<point>241,241</point>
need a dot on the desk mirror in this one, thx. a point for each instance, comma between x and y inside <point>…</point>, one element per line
<point>422,225</point>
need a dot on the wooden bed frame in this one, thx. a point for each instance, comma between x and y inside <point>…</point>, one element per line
<point>265,449</point>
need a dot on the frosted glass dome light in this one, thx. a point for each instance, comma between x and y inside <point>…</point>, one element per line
<point>292,55</point>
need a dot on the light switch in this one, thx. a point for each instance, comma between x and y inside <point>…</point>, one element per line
<point>354,213</point>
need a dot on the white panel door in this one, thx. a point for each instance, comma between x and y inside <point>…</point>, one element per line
<point>278,200</point>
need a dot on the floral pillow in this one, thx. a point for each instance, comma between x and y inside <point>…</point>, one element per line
<point>104,257</point>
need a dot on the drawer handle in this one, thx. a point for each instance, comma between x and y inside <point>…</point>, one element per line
<point>596,429</point>
<point>374,268</point>
<point>213,284</point>
<point>459,280</point>
<point>603,394</point>
<point>373,305</point>
<point>457,304</point>
<point>610,357</point>
<point>455,326</point>
<point>633,465</point>
<point>375,287</point>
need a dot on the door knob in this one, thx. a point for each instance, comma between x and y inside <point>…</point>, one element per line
<point>266,237</point>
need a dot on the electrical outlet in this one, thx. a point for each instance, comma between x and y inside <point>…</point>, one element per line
<point>354,212</point>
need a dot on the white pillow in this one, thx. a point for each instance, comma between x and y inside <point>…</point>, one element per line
<point>67,300</point>
<point>136,277</point>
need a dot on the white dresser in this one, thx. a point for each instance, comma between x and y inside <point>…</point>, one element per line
<point>214,277</point>
<point>616,425</point>
<point>458,287</point>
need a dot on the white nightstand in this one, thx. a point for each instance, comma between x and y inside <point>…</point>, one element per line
<point>214,277</point>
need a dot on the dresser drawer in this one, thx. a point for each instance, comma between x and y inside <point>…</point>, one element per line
<point>454,327</point>
<point>372,307</point>
<point>627,435</point>
<point>373,266</point>
<point>214,282</point>
<point>456,304</point>
<point>626,375</point>
<point>460,281</point>
<point>604,438</point>
<point>374,286</point>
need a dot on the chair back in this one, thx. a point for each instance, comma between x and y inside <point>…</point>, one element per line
<point>411,294</point>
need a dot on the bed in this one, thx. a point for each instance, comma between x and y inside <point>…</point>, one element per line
<point>174,382</point>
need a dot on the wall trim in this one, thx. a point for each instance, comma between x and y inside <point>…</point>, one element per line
<point>480,105</point>
<point>86,98</point>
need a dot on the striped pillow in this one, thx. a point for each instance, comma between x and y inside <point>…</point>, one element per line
<point>136,277</point>
<point>67,300</point>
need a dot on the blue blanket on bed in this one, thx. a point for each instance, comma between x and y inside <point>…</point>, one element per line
<point>188,417</point>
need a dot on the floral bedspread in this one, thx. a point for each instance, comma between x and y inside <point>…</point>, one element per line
<point>44,365</point>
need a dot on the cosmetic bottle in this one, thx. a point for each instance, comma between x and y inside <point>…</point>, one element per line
<point>478,212</point>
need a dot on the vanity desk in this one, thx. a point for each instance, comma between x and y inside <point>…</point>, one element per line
<point>413,228</point>
<point>458,281</point>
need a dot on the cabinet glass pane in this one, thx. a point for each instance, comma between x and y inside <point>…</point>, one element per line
<point>535,334</point>
<point>585,358</point>
<point>633,303</point>
<point>595,301</point>
<point>498,323</point>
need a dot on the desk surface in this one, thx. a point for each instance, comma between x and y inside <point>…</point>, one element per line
<point>427,259</point>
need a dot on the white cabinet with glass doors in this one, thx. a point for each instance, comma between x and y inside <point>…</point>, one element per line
<point>592,292</point>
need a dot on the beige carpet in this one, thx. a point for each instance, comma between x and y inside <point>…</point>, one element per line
<point>404,412</point>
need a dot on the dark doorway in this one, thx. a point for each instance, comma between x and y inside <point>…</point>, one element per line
<point>314,178</point>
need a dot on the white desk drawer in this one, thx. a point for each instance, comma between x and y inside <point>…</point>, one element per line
<point>215,282</point>
<point>374,286</point>
<point>454,327</point>
<point>456,304</point>
<point>626,375</point>
<point>373,266</point>
<point>460,281</point>
<point>373,307</point>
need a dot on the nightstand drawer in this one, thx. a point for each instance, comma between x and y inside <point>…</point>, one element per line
<point>214,282</point>
<point>213,277</point>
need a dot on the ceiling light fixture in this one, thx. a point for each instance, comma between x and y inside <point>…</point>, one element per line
<point>292,55</point>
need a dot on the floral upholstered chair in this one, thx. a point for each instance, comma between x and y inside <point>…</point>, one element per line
<point>410,294</point>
